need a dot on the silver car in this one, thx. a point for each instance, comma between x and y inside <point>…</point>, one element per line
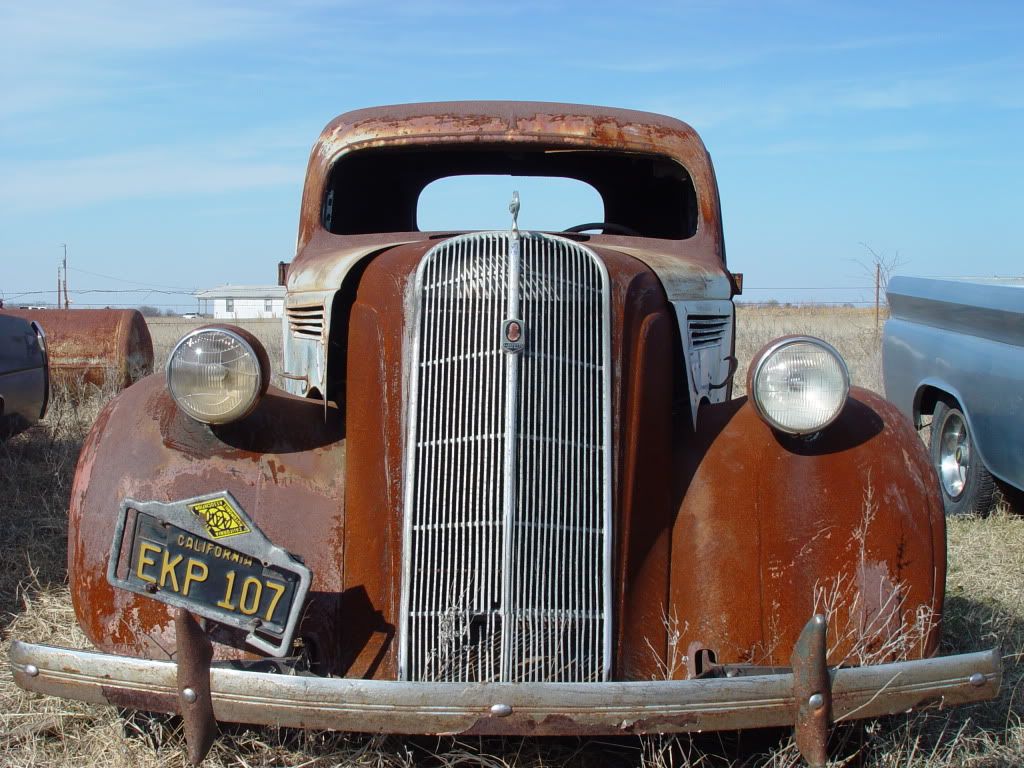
<point>24,374</point>
<point>954,349</point>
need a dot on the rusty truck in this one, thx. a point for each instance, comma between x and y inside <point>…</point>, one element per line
<point>506,488</point>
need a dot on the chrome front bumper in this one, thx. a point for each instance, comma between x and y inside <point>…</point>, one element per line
<point>660,706</point>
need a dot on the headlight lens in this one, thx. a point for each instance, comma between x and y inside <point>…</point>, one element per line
<point>217,375</point>
<point>799,384</point>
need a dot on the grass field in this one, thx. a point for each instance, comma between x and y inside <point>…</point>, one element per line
<point>985,607</point>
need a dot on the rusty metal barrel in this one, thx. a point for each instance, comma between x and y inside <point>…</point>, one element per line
<point>105,347</point>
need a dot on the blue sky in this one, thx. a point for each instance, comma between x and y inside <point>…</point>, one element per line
<point>166,144</point>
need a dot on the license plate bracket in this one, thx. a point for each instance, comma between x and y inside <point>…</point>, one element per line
<point>206,555</point>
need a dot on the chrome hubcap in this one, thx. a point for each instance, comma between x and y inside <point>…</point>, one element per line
<point>954,455</point>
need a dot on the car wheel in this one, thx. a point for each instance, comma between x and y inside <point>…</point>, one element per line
<point>967,487</point>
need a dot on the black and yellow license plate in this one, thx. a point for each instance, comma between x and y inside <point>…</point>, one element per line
<point>208,577</point>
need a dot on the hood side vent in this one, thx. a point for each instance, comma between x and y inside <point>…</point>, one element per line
<point>306,322</point>
<point>706,330</point>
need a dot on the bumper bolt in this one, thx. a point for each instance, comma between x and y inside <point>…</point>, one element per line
<point>188,695</point>
<point>817,701</point>
<point>977,679</point>
<point>501,710</point>
<point>31,670</point>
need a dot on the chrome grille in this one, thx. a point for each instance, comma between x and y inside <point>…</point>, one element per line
<point>508,489</point>
<point>306,322</point>
<point>706,330</point>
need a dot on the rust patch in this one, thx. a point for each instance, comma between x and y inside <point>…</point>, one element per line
<point>880,607</point>
<point>141,700</point>
<point>556,725</point>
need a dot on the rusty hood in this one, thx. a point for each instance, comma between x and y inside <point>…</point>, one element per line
<point>687,271</point>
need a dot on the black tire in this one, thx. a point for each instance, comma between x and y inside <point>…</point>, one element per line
<point>966,485</point>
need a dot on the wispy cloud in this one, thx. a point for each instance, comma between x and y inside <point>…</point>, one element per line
<point>886,143</point>
<point>901,94</point>
<point>868,43</point>
<point>62,29</point>
<point>148,173</point>
<point>61,54</point>
<point>742,105</point>
<point>691,56</point>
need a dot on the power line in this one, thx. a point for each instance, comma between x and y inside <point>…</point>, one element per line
<point>132,305</point>
<point>133,282</point>
<point>107,290</point>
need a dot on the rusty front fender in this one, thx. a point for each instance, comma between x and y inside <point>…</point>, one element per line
<point>771,529</point>
<point>285,463</point>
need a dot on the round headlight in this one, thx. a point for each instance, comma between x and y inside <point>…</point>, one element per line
<point>217,374</point>
<point>799,384</point>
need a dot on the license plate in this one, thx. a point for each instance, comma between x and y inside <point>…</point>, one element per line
<point>208,576</point>
<point>171,553</point>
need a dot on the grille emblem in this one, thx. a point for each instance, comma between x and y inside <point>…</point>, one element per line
<point>512,337</point>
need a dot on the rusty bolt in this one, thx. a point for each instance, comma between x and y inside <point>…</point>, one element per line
<point>31,670</point>
<point>188,695</point>
<point>501,710</point>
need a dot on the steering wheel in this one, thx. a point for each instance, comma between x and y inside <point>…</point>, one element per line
<point>606,227</point>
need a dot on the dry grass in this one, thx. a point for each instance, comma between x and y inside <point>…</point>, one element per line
<point>850,330</point>
<point>985,607</point>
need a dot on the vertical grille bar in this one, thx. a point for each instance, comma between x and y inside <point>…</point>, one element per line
<point>508,490</point>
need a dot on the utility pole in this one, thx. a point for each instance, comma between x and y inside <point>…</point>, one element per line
<point>878,291</point>
<point>66,302</point>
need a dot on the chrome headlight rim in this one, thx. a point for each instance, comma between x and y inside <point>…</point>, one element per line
<point>767,353</point>
<point>252,345</point>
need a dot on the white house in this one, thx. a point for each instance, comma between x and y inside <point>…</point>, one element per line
<point>242,302</point>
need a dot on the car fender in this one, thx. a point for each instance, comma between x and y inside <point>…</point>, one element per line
<point>284,463</point>
<point>773,528</point>
<point>946,391</point>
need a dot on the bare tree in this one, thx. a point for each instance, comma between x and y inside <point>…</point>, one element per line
<point>879,267</point>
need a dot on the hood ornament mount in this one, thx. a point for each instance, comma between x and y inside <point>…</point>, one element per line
<point>513,336</point>
<point>513,208</point>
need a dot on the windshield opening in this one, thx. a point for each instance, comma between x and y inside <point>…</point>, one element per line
<point>380,190</point>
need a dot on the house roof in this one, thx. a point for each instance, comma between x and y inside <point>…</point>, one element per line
<point>243,292</point>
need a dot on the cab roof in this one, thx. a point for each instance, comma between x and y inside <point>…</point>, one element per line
<point>506,123</point>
